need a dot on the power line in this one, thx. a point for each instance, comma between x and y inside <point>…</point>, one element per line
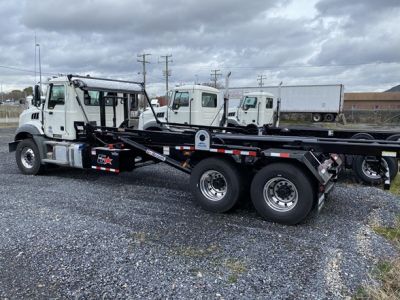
<point>166,72</point>
<point>260,79</point>
<point>294,66</point>
<point>214,76</point>
<point>144,62</point>
<point>26,70</point>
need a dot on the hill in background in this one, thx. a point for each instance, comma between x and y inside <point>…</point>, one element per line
<point>394,89</point>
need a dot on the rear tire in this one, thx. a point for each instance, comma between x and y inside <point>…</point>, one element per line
<point>368,174</point>
<point>317,118</point>
<point>216,184</point>
<point>28,159</point>
<point>329,118</point>
<point>361,168</point>
<point>283,193</point>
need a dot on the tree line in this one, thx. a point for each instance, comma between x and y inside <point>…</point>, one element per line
<point>17,95</point>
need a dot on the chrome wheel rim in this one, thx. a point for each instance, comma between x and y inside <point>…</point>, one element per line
<point>28,158</point>
<point>369,171</point>
<point>213,185</point>
<point>280,194</point>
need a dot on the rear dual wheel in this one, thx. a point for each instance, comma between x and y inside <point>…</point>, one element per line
<point>283,193</point>
<point>216,184</point>
<point>280,192</point>
<point>367,171</point>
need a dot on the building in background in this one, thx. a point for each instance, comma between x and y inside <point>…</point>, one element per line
<point>372,101</point>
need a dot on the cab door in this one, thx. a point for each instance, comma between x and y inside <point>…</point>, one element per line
<point>267,112</point>
<point>250,111</point>
<point>180,108</point>
<point>209,110</point>
<point>54,112</point>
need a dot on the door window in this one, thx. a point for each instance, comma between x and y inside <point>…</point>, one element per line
<point>57,96</point>
<point>208,100</point>
<point>92,98</point>
<point>249,102</point>
<point>269,103</point>
<point>181,100</point>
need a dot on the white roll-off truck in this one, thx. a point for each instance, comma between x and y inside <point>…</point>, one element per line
<point>83,124</point>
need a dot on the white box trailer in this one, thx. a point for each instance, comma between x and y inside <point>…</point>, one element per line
<point>324,102</point>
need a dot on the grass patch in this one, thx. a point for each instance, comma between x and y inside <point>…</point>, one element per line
<point>391,233</point>
<point>10,111</point>
<point>395,186</point>
<point>387,272</point>
<point>235,267</point>
<point>8,125</point>
<point>196,252</point>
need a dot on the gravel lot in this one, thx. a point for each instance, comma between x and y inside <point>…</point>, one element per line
<point>73,233</point>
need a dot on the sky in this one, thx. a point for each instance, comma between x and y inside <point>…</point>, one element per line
<point>356,43</point>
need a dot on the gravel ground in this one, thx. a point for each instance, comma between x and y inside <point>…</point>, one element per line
<point>81,234</point>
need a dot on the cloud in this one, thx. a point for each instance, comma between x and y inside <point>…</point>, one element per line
<point>104,38</point>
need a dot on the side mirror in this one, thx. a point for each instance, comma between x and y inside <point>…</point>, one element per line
<point>86,98</point>
<point>36,97</point>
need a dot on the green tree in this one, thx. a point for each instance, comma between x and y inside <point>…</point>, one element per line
<point>28,90</point>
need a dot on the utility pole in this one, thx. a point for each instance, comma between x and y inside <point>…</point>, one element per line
<point>214,76</point>
<point>35,57</point>
<point>167,72</point>
<point>1,91</point>
<point>40,69</point>
<point>144,62</point>
<point>260,79</point>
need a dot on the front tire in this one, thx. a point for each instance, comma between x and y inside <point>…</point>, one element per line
<point>282,193</point>
<point>216,184</point>
<point>317,118</point>
<point>28,158</point>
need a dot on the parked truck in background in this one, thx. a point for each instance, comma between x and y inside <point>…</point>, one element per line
<point>322,102</point>
<point>189,104</point>
<point>257,112</point>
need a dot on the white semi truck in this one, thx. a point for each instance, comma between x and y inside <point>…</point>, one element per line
<point>82,124</point>
<point>188,104</point>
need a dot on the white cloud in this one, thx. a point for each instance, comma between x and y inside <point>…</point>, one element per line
<point>96,37</point>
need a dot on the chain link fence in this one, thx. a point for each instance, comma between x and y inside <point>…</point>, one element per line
<point>9,114</point>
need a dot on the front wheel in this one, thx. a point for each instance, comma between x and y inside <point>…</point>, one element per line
<point>28,157</point>
<point>216,184</point>
<point>317,118</point>
<point>282,193</point>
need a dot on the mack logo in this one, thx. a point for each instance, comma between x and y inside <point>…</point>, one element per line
<point>104,160</point>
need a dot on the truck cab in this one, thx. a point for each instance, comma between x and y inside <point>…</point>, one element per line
<point>188,105</point>
<point>70,101</point>
<point>51,130</point>
<point>255,109</point>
